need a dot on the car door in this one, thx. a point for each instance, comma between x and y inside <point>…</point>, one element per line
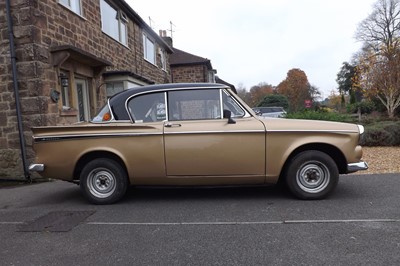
<point>199,141</point>
<point>146,148</point>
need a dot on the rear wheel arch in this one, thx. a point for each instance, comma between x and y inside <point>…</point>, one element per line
<point>85,159</point>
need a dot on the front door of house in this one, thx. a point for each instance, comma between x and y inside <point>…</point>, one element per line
<point>83,100</point>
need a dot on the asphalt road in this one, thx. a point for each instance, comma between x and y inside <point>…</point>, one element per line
<point>358,225</point>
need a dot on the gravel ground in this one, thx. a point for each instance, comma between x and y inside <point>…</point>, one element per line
<point>381,160</point>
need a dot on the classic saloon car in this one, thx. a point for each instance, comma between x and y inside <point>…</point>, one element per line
<point>194,134</point>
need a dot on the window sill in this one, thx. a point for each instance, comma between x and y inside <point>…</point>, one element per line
<point>72,11</point>
<point>70,112</point>
<point>109,36</point>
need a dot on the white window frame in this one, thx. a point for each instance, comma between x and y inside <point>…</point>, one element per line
<point>120,33</point>
<point>149,48</point>
<point>85,99</point>
<point>163,59</point>
<point>73,5</point>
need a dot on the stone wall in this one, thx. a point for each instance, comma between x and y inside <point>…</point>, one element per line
<point>195,73</point>
<point>38,26</point>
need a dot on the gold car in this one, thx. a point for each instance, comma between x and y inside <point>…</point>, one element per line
<point>194,134</point>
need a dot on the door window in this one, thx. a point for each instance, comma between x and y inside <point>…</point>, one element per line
<point>194,105</point>
<point>148,108</point>
<point>231,105</point>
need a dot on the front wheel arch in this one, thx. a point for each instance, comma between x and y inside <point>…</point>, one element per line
<point>311,174</point>
<point>335,153</point>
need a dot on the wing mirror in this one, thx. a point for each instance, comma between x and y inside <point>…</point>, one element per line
<point>228,114</point>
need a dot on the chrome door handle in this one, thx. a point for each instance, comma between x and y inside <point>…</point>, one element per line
<point>172,125</point>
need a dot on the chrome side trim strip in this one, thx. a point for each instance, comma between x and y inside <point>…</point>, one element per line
<point>354,167</point>
<point>76,136</point>
<point>312,130</point>
<point>84,136</point>
<point>213,132</point>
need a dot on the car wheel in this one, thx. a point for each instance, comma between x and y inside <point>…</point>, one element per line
<point>311,175</point>
<point>103,181</point>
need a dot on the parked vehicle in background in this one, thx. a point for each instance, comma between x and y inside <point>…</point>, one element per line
<point>194,134</point>
<point>274,111</point>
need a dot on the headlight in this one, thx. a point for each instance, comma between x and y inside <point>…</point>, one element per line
<point>361,129</point>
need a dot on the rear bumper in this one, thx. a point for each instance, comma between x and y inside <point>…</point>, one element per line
<point>354,167</point>
<point>36,167</point>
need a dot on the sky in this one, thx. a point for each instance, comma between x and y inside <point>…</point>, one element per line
<point>259,41</point>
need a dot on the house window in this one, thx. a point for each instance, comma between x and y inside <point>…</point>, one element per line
<point>148,49</point>
<point>74,5</point>
<point>113,88</point>
<point>211,76</point>
<point>114,22</point>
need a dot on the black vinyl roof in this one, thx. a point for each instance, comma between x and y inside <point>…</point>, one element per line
<point>117,102</point>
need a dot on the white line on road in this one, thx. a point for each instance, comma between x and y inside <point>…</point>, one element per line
<point>235,223</point>
<point>250,223</point>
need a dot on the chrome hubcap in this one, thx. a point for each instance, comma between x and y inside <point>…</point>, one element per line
<point>313,177</point>
<point>101,183</point>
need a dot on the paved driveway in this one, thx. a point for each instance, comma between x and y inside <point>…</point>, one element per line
<point>51,223</point>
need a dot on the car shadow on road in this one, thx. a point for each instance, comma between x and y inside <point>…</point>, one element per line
<point>151,194</point>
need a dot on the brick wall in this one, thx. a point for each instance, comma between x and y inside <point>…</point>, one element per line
<point>38,26</point>
<point>195,73</point>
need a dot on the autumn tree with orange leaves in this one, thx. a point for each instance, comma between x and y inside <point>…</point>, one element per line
<point>258,92</point>
<point>296,88</point>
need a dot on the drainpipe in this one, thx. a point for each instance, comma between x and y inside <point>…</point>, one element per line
<point>16,92</point>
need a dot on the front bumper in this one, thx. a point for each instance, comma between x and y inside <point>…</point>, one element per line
<point>36,167</point>
<point>354,167</point>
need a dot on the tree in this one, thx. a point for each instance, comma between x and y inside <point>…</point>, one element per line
<point>296,88</point>
<point>274,100</point>
<point>379,61</point>
<point>314,92</point>
<point>335,100</point>
<point>258,92</point>
<point>243,93</point>
<point>345,77</point>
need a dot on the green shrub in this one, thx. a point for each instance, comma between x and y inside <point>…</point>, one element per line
<point>366,107</point>
<point>385,133</point>
<point>320,115</point>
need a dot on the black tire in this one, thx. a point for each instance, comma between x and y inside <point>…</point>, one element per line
<point>311,175</point>
<point>103,181</point>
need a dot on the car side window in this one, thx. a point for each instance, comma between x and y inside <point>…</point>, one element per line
<point>194,105</point>
<point>148,108</point>
<point>231,105</point>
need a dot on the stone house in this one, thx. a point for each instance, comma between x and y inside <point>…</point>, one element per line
<point>187,67</point>
<point>68,57</point>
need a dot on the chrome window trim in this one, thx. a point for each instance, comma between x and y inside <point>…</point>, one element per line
<point>166,107</point>
<point>165,91</point>
<point>144,93</point>
<point>112,120</point>
<point>221,104</point>
<point>246,114</point>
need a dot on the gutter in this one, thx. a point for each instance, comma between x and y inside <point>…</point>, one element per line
<point>16,92</point>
